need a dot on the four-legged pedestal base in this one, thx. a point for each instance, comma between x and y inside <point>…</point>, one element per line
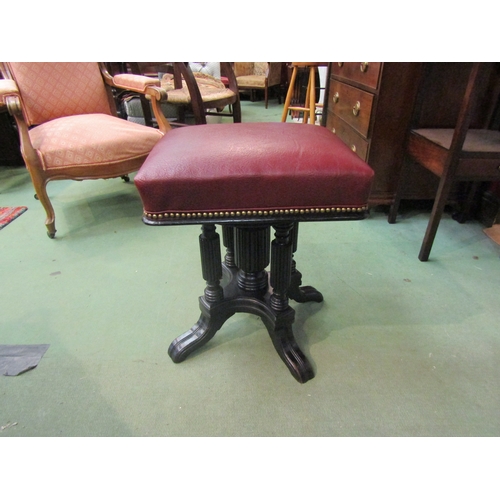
<point>248,287</point>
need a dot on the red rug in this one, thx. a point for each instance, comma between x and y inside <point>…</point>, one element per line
<point>8,214</point>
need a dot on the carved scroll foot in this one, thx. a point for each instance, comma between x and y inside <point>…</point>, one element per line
<point>286,346</point>
<point>211,320</point>
<point>303,293</point>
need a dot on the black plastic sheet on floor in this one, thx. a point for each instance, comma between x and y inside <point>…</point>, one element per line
<point>17,359</point>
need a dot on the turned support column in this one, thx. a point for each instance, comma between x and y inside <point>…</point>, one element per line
<point>211,266</point>
<point>281,265</point>
<point>252,257</point>
<point>228,241</point>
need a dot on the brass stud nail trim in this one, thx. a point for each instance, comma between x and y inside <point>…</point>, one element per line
<point>254,213</point>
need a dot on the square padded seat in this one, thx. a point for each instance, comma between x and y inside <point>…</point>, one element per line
<point>249,177</point>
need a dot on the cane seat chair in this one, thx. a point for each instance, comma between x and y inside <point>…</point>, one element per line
<point>67,123</point>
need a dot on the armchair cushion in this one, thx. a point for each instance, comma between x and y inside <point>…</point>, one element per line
<point>211,89</point>
<point>92,139</point>
<point>251,81</point>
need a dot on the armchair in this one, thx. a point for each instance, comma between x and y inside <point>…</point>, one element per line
<point>67,123</point>
<point>258,76</point>
<point>204,89</point>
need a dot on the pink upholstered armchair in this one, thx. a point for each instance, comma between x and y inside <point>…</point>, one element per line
<point>258,76</point>
<point>68,126</point>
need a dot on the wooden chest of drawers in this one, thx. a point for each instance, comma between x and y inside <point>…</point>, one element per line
<point>369,106</point>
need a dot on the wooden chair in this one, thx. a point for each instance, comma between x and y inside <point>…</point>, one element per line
<point>199,93</point>
<point>309,108</point>
<point>68,126</point>
<point>454,154</point>
<point>258,76</point>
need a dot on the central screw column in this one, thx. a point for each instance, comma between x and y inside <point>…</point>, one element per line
<point>252,249</point>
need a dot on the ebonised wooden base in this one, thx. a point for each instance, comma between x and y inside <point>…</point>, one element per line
<point>241,284</point>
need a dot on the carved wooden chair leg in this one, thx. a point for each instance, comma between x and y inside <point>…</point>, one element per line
<point>435,218</point>
<point>40,186</point>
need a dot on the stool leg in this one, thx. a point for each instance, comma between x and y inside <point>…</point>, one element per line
<point>306,108</point>
<point>296,291</point>
<point>280,331</point>
<point>289,94</point>
<point>209,322</point>
<point>228,240</point>
<point>312,98</point>
<point>281,266</point>
<point>211,266</point>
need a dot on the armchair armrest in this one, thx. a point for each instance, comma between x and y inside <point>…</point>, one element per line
<point>149,87</point>
<point>9,96</point>
<point>137,83</point>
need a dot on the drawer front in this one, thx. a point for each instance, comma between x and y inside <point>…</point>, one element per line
<point>347,135</point>
<point>352,105</point>
<point>363,73</point>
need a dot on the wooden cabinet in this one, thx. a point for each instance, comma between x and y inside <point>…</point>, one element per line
<point>369,106</point>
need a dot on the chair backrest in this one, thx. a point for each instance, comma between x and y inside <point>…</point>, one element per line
<point>52,90</point>
<point>243,68</point>
<point>270,70</point>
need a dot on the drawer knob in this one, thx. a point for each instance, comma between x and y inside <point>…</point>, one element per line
<point>340,64</point>
<point>335,98</point>
<point>363,67</point>
<point>356,108</point>
<point>353,147</point>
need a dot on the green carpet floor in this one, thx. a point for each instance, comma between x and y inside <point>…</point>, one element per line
<point>400,347</point>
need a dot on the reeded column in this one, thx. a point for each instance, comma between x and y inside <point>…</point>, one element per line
<point>228,241</point>
<point>252,246</point>
<point>211,262</point>
<point>281,265</point>
<point>295,239</point>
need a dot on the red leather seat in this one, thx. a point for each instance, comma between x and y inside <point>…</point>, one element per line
<point>252,167</point>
